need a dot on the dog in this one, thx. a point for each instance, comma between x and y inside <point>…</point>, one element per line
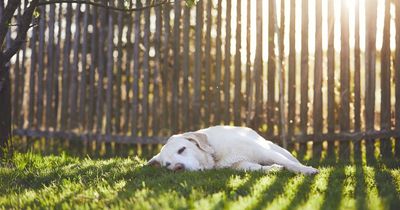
<point>239,148</point>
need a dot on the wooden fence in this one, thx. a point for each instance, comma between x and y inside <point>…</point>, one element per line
<point>295,71</point>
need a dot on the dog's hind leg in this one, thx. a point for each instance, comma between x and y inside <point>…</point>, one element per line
<point>275,157</point>
<point>249,166</point>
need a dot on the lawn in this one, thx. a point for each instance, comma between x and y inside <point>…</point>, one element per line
<point>62,181</point>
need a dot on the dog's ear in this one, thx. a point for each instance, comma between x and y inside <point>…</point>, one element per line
<point>154,162</point>
<point>200,139</point>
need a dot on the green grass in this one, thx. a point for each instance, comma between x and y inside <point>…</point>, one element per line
<point>35,181</point>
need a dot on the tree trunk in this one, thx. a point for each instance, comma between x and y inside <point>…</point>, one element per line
<point>5,109</point>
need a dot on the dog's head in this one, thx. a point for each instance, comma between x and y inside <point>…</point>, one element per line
<point>188,151</point>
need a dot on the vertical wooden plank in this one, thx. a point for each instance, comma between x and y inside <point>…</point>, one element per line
<point>118,83</point>
<point>83,82</point>
<point>198,64</point>
<point>57,71</point>
<point>249,85</point>
<point>317,108</point>
<point>110,78</point>
<point>165,70</point>
<point>73,91</point>
<point>304,74</point>
<point>208,66</point>
<point>344,113</point>
<point>39,102</point>
<point>109,70</point>
<point>218,66</point>
<point>271,70</point>
<point>145,100</point>
<point>186,69</point>
<point>357,66</point>
<point>128,69</point>
<point>156,73</point>
<point>370,56</point>
<point>16,85</point>
<point>227,63</point>
<point>100,71</point>
<point>21,93</point>
<point>50,66</point>
<point>281,75</point>
<point>385,144</point>
<point>331,75</point>
<point>292,72</point>
<point>32,74</point>
<point>238,69</point>
<point>66,69</point>
<point>93,66</point>
<point>258,68</point>
<point>175,72</point>
<point>135,84</point>
<point>397,78</point>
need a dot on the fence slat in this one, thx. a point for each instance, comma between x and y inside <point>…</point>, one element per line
<point>238,70</point>
<point>385,144</point>
<point>32,73</point>
<point>128,70</point>
<point>357,80</point>
<point>93,60</point>
<point>156,74</point>
<point>304,73</point>
<point>165,70</point>
<point>50,67</point>
<point>249,84</point>
<point>292,72</point>
<point>175,73</point>
<point>145,99</point>
<point>109,69</point>
<point>344,113</point>
<point>331,74</point>
<point>135,84</point>
<point>198,65</point>
<point>370,56</point>
<point>118,75</point>
<point>186,69</point>
<point>100,70</point>
<point>83,87</point>
<point>218,67</point>
<point>40,78</point>
<point>227,63</point>
<point>73,91</point>
<point>66,69</point>
<point>317,108</point>
<point>57,72</point>
<point>397,78</point>
<point>271,70</point>
<point>207,66</point>
<point>258,68</point>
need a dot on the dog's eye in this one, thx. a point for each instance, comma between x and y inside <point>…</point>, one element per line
<point>181,150</point>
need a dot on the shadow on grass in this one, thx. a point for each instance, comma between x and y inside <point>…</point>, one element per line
<point>334,189</point>
<point>387,188</point>
<point>359,192</point>
<point>274,189</point>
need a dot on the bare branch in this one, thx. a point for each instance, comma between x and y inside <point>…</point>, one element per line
<point>8,14</point>
<point>106,6</point>
<point>23,26</point>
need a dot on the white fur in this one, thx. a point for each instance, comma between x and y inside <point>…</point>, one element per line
<point>229,147</point>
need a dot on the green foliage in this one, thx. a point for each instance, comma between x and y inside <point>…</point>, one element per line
<point>65,182</point>
<point>191,3</point>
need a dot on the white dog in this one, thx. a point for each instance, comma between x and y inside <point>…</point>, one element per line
<point>239,148</point>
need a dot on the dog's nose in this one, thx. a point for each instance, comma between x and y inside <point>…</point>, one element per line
<point>178,167</point>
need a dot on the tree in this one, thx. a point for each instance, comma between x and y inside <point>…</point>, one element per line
<point>23,23</point>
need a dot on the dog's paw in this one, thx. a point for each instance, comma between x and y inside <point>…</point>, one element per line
<point>310,170</point>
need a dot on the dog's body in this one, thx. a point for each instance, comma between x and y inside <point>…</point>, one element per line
<point>226,147</point>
